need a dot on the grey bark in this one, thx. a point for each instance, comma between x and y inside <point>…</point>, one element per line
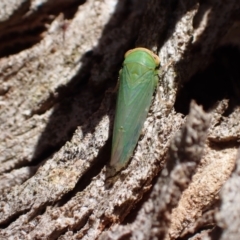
<point>59,64</point>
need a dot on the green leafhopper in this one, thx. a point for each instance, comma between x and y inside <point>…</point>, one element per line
<point>137,82</point>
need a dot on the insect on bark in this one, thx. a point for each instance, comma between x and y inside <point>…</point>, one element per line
<point>137,82</point>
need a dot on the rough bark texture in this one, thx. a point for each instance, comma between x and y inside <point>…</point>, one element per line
<point>59,63</point>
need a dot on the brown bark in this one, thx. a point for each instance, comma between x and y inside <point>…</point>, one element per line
<point>58,69</point>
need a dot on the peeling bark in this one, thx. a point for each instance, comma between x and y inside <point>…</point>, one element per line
<point>59,63</point>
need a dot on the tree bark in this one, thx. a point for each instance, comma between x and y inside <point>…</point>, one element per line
<point>58,68</point>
